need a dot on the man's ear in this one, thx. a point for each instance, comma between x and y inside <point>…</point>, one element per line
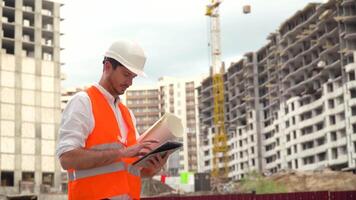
<point>107,66</point>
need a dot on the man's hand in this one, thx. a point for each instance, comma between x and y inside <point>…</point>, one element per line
<point>155,164</point>
<point>139,149</point>
<point>86,158</point>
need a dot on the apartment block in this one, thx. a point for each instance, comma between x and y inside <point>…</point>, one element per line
<point>67,93</point>
<point>290,104</point>
<point>30,96</point>
<point>172,95</point>
<point>178,96</point>
<point>243,115</point>
<point>144,103</point>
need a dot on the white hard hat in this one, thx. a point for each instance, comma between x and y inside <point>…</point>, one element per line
<point>129,54</point>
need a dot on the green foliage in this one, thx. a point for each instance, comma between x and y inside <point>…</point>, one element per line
<point>260,184</point>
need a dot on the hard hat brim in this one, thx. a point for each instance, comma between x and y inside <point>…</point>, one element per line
<point>125,63</point>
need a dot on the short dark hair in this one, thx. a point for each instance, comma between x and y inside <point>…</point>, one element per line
<point>113,62</point>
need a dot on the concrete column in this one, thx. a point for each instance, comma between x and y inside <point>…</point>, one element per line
<point>56,35</point>
<point>1,63</point>
<point>38,63</point>
<point>18,117</point>
<point>57,89</point>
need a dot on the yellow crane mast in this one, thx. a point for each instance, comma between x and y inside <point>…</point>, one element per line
<point>220,168</point>
<point>220,147</point>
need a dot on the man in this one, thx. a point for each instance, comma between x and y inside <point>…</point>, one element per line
<point>97,137</point>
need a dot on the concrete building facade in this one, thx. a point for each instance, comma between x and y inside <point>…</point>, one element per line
<point>66,94</point>
<point>178,96</point>
<point>173,95</point>
<point>144,103</point>
<point>30,96</point>
<point>290,105</point>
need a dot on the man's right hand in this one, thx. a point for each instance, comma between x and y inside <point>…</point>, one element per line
<point>139,149</point>
<point>86,159</point>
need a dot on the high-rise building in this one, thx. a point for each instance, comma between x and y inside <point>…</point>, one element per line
<point>179,96</point>
<point>290,105</point>
<point>144,103</point>
<point>30,95</point>
<point>67,93</point>
<point>172,95</point>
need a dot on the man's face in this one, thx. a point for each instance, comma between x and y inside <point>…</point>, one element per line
<point>120,79</point>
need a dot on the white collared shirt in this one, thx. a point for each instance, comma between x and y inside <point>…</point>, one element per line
<point>78,121</point>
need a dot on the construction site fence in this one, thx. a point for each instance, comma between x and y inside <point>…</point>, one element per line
<point>322,195</point>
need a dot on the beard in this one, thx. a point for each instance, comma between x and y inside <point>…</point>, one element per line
<point>122,89</point>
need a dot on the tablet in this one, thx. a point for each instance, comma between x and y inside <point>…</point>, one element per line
<point>167,147</point>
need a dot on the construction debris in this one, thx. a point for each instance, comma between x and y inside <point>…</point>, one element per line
<point>152,187</point>
<point>296,181</point>
<point>324,180</point>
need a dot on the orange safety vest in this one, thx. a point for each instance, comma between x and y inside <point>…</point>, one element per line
<point>116,179</point>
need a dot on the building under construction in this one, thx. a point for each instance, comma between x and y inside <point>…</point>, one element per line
<point>291,104</point>
<point>30,96</point>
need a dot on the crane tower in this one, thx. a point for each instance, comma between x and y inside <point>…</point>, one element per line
<point>220,147</point>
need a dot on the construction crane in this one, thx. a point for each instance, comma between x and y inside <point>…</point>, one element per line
<point>220,148</point>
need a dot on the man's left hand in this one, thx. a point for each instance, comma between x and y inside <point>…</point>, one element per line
<point>155,164</point>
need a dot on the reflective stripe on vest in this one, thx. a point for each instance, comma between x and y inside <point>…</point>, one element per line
<point>133,170</point>
<point>78,174</point>
<point>121,197</point>
<point>114,145</point>
<point>114,167</point>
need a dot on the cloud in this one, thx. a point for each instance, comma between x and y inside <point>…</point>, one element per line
<point>174,34</point>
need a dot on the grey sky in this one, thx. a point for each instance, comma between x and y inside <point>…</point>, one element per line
<point>173,33</point>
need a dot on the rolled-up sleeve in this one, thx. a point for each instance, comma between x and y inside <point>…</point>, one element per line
<point>76,124</point>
